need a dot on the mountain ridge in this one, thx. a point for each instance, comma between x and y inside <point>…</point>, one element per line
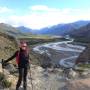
<point>82,34</point>
<point>8,29</point>
<point>59,29</point>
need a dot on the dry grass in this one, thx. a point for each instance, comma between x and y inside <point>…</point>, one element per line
<point>7,47</point>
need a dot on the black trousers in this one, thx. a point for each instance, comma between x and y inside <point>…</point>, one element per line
<point>22,77</point>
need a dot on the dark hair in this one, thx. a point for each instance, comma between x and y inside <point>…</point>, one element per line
<point>26,52</point>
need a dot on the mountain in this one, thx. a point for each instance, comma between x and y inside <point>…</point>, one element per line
<point>82,34</point>
<point>24,29</point>
<point>81,23</point>
<point>8,29</point>
<point>60,29</point>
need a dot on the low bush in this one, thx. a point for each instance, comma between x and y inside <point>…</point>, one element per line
<point>4,82</point>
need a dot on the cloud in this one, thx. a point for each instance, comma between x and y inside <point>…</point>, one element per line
<point>2,20</point>
<point>5,10</point>
<point>39,8</point>
<point>43,8</point>
<point>40,16</point>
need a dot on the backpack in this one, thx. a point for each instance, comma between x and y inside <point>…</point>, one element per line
<point>17,57</point>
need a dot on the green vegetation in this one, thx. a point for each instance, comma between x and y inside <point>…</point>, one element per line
<point>29,36</point>
<point>84,66</point>
<point>39,39</point>
<point>4,82</point>
<point>1,76</point>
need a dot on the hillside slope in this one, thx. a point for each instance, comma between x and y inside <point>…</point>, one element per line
<point>7,45</point>
<point>8,29</point>
<point>82,34</point>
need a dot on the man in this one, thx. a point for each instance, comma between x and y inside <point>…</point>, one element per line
<point>22,58</point>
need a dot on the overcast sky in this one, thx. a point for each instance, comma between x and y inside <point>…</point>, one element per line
<point>37,14</point>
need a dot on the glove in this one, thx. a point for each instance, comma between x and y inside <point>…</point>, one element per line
<point>4,63</point>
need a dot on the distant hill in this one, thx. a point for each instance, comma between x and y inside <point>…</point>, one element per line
<point>60,29</point>
<point>8,29</point>
<point>82,34</point>
<point>24,29</point>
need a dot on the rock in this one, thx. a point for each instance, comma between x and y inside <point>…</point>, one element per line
<point>13,80</point>
<point>2,70</point>
<point>10,68</point>
<point>8,77</point>
<point>83,84</point>
<point>0,67</point>
<point>41,79</point>
<point>73,74</point>
<point>6,72</point>
<point>84,73</point>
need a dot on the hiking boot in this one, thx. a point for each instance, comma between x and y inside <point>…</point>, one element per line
<point>25,86</point>
<point>17,88</point>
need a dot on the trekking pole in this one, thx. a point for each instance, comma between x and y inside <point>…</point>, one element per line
<point>2,70</point>
<point>30,76</point>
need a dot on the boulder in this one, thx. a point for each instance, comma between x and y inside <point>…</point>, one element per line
<point>10,68</point>
<point>73,74</point>
<point>83,84</point>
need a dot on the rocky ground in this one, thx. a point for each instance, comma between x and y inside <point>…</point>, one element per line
<point>42,79</point>
<point>51,79</point>
<point>83,84</point>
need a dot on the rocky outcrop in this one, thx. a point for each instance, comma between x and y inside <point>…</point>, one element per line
<point>83,84</point>
<point>42,79</point>
<point>51,79</point>
<point>10,78</point>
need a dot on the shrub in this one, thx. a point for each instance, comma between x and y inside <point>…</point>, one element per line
<point>2,76</point>
<point>6,83</point>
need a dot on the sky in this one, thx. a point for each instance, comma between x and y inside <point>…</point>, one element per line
<point>37,14</point>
